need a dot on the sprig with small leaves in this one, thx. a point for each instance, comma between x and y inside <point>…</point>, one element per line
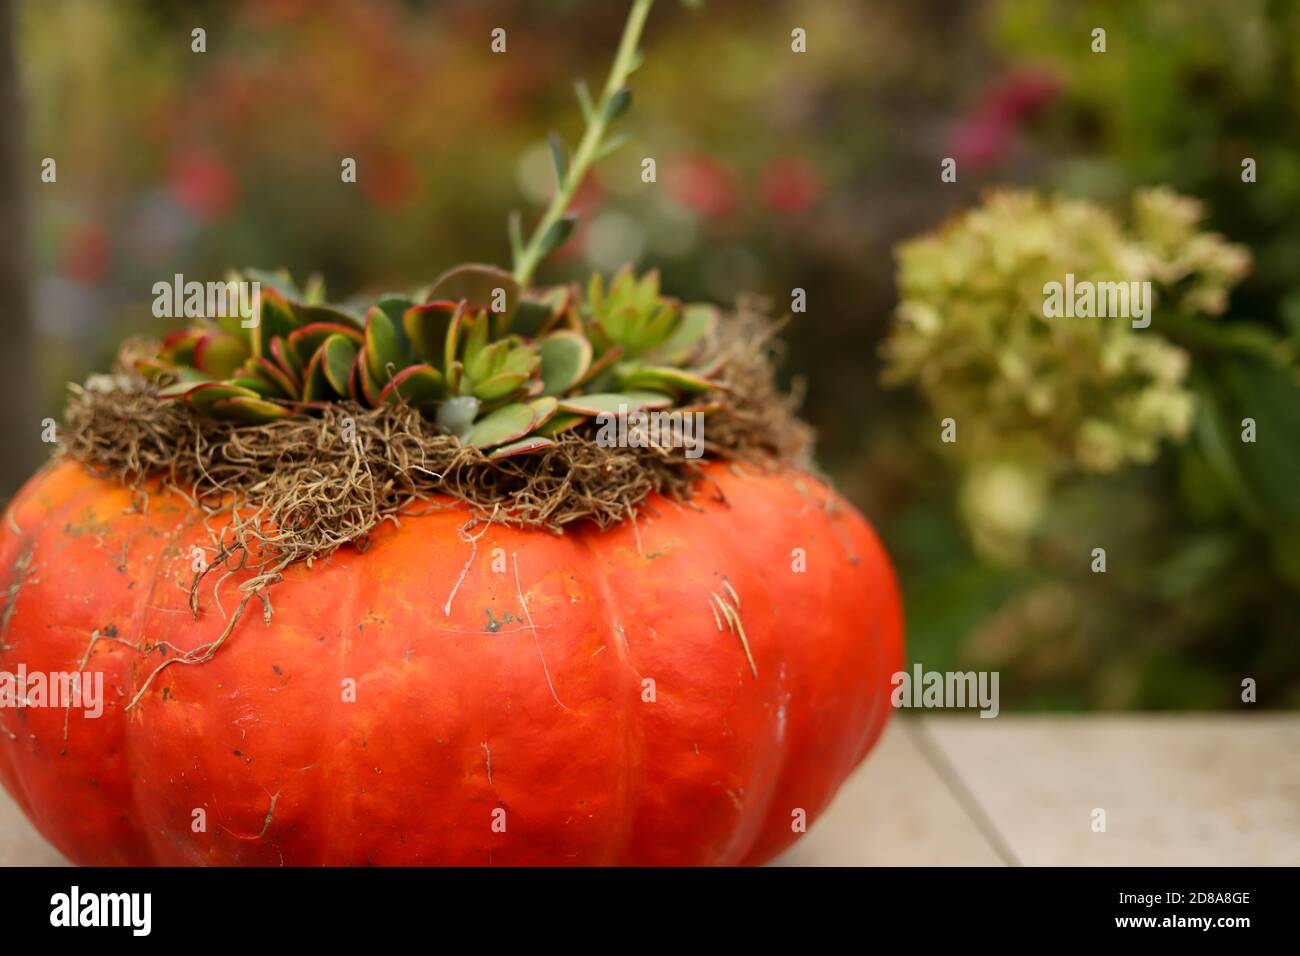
<point>557,223</point>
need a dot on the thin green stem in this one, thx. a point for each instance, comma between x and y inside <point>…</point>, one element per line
<point>589,147</point>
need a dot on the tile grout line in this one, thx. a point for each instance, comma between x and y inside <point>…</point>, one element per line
<point>964,796</point>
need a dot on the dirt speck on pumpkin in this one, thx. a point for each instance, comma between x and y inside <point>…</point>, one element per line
<point>493,625</point>
<point>270,814</point>
<point>21,571</point>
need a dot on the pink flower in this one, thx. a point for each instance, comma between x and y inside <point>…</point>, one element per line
<point>981,140</point>
<point>985,137</point>
<point>1019,97</point>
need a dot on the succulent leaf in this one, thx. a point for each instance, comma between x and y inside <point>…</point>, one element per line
<point>287,359</point>
<point>508,423</point>
<point>313,293</point>
<point>427,327</point>
<point>649,398</point>
<point>279,282</point>
<point>664,379</point>
<point>181,388</point>
<point>597,376</point>
<point>394,306</point>
<point>561,421</point>
<point>654,327</point>
<point>544,409</point>
<point>308,338</point>
<point>486,361</point>
<point>631,315</point>
<point>457,414</point>
<point>276,319</point>
<point>178,347</point>
<point>531,318</point>
<point>478,285</point>
<point>255,411</point>
<point>253,384</point>
<point>499,386</point>
<point>368,386</point>
<point>317,313</point>
<point>521,447</point>
<point>154,369</point>
<point>383,347</point>
<point>697,325</point>
<point>614,403</point>
<point>476,338</point>
<point>266,369</point>
<point>219,353</point>
<point>565,359</point>
<point>418,385</point>
<point>455,377</point>
<point>338,352</point>
<point>522,360</point>
<point>316,385</point>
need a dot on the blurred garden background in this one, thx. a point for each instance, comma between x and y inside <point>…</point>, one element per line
<point>776,171</point>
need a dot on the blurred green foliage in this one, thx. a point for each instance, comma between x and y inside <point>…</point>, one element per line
<point>1201,590</point>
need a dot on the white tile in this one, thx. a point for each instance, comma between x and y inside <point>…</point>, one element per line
<point>1177,790</point>
<point>894,810</point>
<point>20,844</point>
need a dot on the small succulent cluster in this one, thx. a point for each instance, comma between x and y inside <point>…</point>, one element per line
<point>1092,393</point>
<point>501,371</point>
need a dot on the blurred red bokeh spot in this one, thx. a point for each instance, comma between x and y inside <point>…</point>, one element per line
<point>704,185</point>
<point>1021,95</point>
<point>202,183</point>
<point>388,179</point>
<point>791,184</point>
<point>985,136</point>
<point>86,250</point>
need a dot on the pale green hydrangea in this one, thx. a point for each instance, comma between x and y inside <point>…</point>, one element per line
<point>972,334</point>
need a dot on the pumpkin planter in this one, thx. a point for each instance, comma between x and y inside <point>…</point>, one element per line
<point>501,712</point>
<point>371,584</point>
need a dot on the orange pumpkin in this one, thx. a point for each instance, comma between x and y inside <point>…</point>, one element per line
<point>521,698</point>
